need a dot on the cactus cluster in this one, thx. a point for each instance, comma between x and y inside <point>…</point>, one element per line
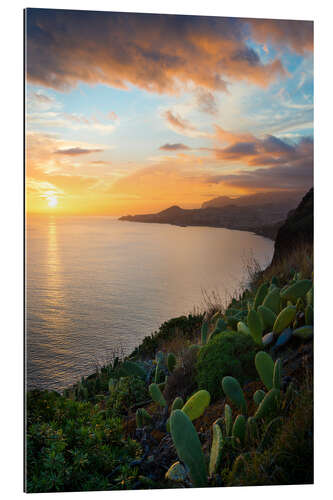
<point>226,432</point>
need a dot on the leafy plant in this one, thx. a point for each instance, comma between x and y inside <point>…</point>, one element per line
<point>226,354</point>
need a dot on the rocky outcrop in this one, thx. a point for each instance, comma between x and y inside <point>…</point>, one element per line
<point>297,229</point>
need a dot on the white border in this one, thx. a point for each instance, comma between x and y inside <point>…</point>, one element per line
<point>11,412</point>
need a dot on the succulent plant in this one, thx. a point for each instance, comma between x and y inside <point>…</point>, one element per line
<point>176,473</point>
<point>255,326</point>
<point>188,447</point>
<point>157,372</point>
<point>268,338</point>
<point>277,376</point>
<point>234,392</point>
<point>284,318</point>
<point>283,338</point>
<point>304,332</point>
<point>267,315</point>
<point>272,300</point>
<point>298,289</point>
<point>309,314</point>
<point>265,368</point>
<point>228,419</point>
<point>309,297</point>
<point>243,328</point>
<point>258,396</point>
<point>252,430</point>
<point>197,404</point>
<point>260,295</point>
<point>216,450</point>
<point>239,431</point>
<point>157,395</point>
<point>177,404</point>
<point>171,362</point>
<point>269,405</point>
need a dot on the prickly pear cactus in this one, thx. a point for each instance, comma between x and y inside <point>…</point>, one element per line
<point>157,395</point>
<point>234,392</point>
<point>277,376</point>
<point>260,295</point>
<point>304,332</point>
<point>268,316</point>
<point>177,404</point>
<point>265,368</point>
<point>197,404</point>
<point>216,450</point>
<point>176,473</point>
<point>255,326</point>
<point>243,328</point>
<point>228,419</point>
<point>309,314</point>
<point>284,319</point>
<point>269,405</point>
<point>188,447</point>
<point>272,300</point>
<point>239,431</point>
<point>298,289</point>
<point>258,396</point>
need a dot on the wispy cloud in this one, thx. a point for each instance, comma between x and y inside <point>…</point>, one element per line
<point>173,147</point>
<point>77,151</point>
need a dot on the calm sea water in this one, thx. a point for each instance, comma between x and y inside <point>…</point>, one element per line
<point>96,283</point>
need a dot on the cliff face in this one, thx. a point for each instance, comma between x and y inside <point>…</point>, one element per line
<point>297,229</point>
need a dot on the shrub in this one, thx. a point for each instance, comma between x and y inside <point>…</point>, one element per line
<point>186,327</point>
<point>228,353</point>
<point>73,446</point>
<point>125,393</point>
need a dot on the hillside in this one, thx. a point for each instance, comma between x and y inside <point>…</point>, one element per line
<point>297,230</point>
<point>220,398</point>
<point>262,214</point>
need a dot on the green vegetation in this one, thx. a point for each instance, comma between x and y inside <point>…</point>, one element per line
<point>228,353</point>
<point>232,389</point>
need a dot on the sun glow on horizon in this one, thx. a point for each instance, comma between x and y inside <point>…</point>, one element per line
<point>52,201</point>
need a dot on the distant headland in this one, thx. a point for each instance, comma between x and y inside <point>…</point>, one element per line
<point>261,213</point>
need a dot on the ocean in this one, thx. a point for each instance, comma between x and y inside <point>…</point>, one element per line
<point>97,284</point>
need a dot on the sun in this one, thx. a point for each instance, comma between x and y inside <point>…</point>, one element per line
<point>52,201</point>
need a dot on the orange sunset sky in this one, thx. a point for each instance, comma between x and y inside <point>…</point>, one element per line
<point>132,113</point>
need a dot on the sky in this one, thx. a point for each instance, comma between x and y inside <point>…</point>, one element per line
<point>133,113</point>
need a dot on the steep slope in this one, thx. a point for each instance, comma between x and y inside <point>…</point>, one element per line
<point>297,229</point>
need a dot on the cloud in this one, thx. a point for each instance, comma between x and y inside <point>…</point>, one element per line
<point>296,35</point>
<point>77,151</point>
<point>255,151</point>
<point>299,176</point>
<point>181,126</point>
<point>158,53</point>
<point>174,147</point>
<point>206,102</point>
